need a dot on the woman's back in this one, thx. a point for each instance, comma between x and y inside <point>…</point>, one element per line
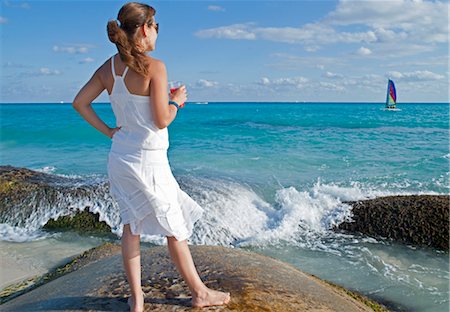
<point>133,112</point>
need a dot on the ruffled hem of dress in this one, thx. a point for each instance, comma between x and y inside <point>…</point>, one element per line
<point>166,218</point>
<point>181,233</point>
<point>169,221</point>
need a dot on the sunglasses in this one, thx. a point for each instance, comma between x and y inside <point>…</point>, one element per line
<point>155,25</point>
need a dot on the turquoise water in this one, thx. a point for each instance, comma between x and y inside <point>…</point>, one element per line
<point>265,144</point>
<point>272,177</point>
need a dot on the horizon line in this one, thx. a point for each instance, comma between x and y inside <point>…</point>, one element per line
<point>244,102</point>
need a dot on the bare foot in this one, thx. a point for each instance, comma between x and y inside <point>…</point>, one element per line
<point>209,297</point>
<point>136,304</point>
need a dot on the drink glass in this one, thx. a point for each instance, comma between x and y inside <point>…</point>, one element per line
<point>173,86</point>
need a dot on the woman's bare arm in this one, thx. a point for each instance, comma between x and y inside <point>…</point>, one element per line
<point>163,113</point>
<point>82,103</point>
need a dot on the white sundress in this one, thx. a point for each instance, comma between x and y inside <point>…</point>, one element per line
<point>141,181</point>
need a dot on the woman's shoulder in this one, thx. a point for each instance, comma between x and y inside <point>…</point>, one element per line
<point>154,61</point>
<point>105,67</point>
<point>155,65</point>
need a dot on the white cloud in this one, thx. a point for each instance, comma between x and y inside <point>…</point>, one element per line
<point>419,75</point>
<point>236,31</point>
<point>203,83</point>
<point>298,82</point>
<point>45,71</point>
<point>235,88</point>
<point>333,82</point>
<point>332,75</point>
<point>312,48</point>
<point>311,35</point>
<point>265,81</point>
<point>72,49</point>
<point>400,49</point>
<point>401,27</point>
<point>87,60</point>
<point>363,51</point>
<point>285,61</point>
<point>419,20</point>
<point>10,64</point>
<point>216,8</point>
<point>387,35</point>
<point>15,5</point>
<point>330,86</point>
<point>437,61</point>
<point>3,20</point>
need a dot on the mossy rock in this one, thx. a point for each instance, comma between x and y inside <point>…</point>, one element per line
<point>421,220</point>
<point>83,222</point>
<point>26,195</point>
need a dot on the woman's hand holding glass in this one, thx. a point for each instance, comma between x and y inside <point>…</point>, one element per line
<point>178,93</point>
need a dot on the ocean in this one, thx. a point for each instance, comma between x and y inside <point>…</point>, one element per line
<point>272,177</point>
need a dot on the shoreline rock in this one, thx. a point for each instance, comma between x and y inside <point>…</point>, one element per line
<point>28,195</point>
<point>421,220</point>
<point>257,283</point>
<point>84,222</point>
<point>405,219</point>
<point>89,256</point>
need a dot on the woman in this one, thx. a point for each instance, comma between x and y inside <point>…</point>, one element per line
<point>141,181</point>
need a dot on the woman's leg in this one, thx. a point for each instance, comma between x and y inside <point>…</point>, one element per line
<point>202,296</point>
<point>131,255</point>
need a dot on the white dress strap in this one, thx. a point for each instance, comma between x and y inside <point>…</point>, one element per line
<point>125,72</point>
<point>114,71</point>
<point>112,68</point>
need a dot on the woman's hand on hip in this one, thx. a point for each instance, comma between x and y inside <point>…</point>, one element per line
<point>112,131</point>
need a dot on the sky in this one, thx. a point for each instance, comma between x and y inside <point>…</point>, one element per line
<point>237,51</point>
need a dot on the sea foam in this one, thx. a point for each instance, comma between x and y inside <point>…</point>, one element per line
<point>235,214</point>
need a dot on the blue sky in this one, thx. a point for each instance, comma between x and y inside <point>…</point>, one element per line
<point>238,50</point>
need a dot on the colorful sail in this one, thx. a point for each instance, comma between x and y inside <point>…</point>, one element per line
<point>391,97</point>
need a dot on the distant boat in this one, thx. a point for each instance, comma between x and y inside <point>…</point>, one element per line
<point>200,103</point>
<point>391,97</point>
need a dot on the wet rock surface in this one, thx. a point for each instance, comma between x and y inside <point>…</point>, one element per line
<point>414,219</point>
<point>256,283</point>
<point>27,196</point>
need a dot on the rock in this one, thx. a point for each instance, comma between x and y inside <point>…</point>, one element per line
<point>256,283</point>
<point>84,222</point>
<point>27,195</point>
<point>87,257</point>
<point>414,219</point>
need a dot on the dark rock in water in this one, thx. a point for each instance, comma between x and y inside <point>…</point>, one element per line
<point>27,197</point>
<point>85,221</point>
<point>414,219</point>
<point>256,283</point>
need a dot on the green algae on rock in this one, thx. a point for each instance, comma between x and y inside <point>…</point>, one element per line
<point>84,222</point>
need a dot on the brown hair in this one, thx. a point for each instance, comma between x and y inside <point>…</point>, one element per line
<point>131,16</point>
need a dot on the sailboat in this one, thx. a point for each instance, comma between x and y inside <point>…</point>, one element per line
<point>391,97</point>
